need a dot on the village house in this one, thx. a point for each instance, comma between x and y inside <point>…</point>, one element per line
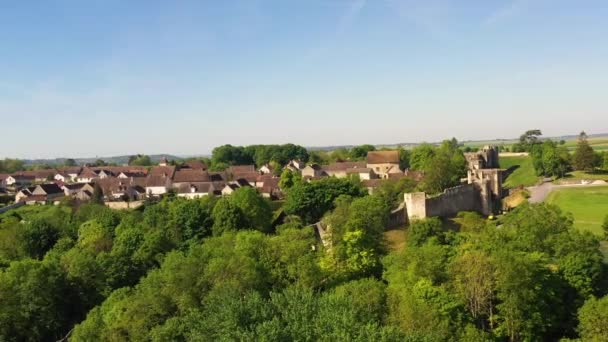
<point>3,177</point>
<point>270,188</point>
<point>295,165</point>
<point>72,172</point>
<point>383,163</point>
<point>120,188</point>
<point>312,171</point>
<point>131,174</point>
<point>159,180</point>
<point>229,189</point>
<point>86,175</point>
<point>71,190</point>
<point>266,169</point>
<point>364,173</point>
<point>194,165</point>
<point>339,170</point>
<point>187,176</point>
<point>232,186</point>
<point>50,191</point>
<point>18,180</point>
<point>22,194</point>
<point>196,190</point>
<point>62,177</point>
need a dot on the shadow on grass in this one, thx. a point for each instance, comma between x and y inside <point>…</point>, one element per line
<point>509,171</point>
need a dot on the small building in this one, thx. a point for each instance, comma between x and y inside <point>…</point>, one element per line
<point>363,173</point>
<point>50,190</point>
<point>266,169</point>
<point>195,190</point>
<point>229,189</point>
<point>194,165</point>
<point>189,176</point>
<point>24,193</point>
<point>62,177</point>
<point>87,175</point>
<point>18,180</point>
<point>312,171</point>
<point>295,165</point>
<point>72,189</point>
<point>383,162</point>
<point>3,177</point>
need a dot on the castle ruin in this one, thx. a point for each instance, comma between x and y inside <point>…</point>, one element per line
<point>482,192</point>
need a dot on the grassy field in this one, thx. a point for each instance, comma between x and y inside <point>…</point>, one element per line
<point>577,175</point>
<point>523,175</point>
<point>587,205</point>
<point>598,144</point>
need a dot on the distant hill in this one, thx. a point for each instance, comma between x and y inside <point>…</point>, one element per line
<point>472,143</point>
<point>119,160</point>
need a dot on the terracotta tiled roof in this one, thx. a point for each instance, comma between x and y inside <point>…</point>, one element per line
<point>251,177</point>
<point>167,171</point>
<point>239,169</point>
<point>195,165</point>
<point>70,169</point>
<point>191,175</point>
<point>87,172</point>
<point>343,166</point>
<point>383,157</point>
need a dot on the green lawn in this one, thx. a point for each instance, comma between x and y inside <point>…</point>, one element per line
<point>523,175</point>
<point>587,176</point>
<point>587,205</point>
<point>598,144</point>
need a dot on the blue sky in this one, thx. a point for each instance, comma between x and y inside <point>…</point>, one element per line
<point>100,78</point>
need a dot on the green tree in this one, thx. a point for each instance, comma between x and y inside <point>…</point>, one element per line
<point>312,200</point>
<point>360,152</point>
<point>11,165</point>
<point>529,139</point>
<point>421,157</point>
<point>549,159</point>
<point>605,226</point>
<point>288,179</point>
<point>97,197</point>
<point>593,320</point>
<point>254,207</point>
<point>404,158</point>
<point>474,280</point>
<point>191,218</point>
<point>227,217</point>
<point>37,303</point>
<point>583,158</point>
<point>38,237</point>
<point>100,162</point>
<point>140,160</point>
<point>70,162</point>
<point>420,231</point>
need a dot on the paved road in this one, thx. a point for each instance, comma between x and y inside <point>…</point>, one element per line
<point>540,192</point>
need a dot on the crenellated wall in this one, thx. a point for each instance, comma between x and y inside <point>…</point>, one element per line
<point>468,197</point>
